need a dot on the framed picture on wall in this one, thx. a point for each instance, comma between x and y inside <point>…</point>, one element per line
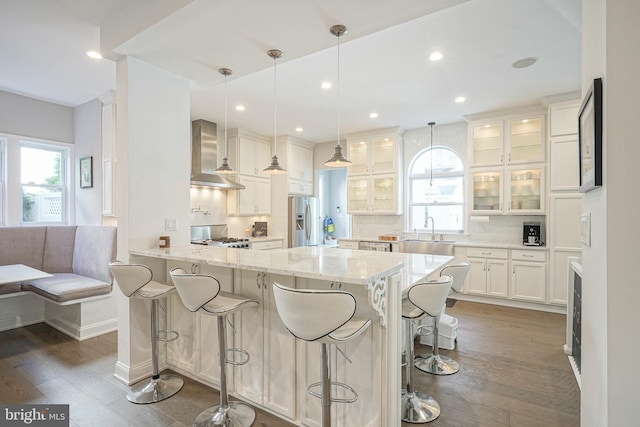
<point>590,138</point>
<point>86,172</point>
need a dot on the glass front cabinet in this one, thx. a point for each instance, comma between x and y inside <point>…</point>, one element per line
<point>375,194</point>
<point>507,142</point>
<point>514,190</point>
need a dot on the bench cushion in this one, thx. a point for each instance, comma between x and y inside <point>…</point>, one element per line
<point>94,248</point>
<point>65,287</point>
<point>9,288</point>
<point>22,245</point>
<point>58,249</point>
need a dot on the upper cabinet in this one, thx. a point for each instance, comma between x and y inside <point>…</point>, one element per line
<point>299,164</point>
<point>507,141</point>
<point>249,154</point>
<point>564,173</point>
<point>372,154</point>
<point>374,179</point>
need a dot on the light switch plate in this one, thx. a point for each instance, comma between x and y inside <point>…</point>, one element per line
<point>170,224</point>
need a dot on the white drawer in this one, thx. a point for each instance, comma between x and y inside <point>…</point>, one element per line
<point>538,256</point>
<point>488,253</point>
<point>348,244</point>
<point>270,244</point>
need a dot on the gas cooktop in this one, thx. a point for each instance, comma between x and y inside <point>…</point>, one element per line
<point>228,242</point>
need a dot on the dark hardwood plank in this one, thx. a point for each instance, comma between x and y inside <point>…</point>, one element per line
<point>513,374</point>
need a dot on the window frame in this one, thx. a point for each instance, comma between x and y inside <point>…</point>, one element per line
<point>11,187</point>
<point>444,175</point>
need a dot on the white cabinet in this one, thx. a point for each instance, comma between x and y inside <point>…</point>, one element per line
<point>564,241</point>
<point>300,168</point>
<point>489,273</point>
<point>108,154</point>
<point>268,379</point>
<point>374,179</point>
<point>375,194</point>
<point>516,190</point>
<point>372,154</point>
<point>255,199</point>
<point>564,174</point>
<point>269,244</point>
<point>528,275</point>
<point>348,244</point>
<point>249,154</point>
<point>563,118</point>
<point>507,141</point>
<point>253,156</point>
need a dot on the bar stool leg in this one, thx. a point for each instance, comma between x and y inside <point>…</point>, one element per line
<point>435,363</point>
<point>158,387</point>
<point>325,375</point>
<point>226,414</point>
<point>415,406</point>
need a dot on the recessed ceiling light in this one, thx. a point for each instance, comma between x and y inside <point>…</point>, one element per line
<point>487,126</point>
<point>93,54</point>
<point>326,85</point>
<point>373,115</point>
<point>525,121</point>
<point>460,99</point>
<point>436,56</point>
<point>299,129</point>
<point>524,62</point>
<point>240,107</point>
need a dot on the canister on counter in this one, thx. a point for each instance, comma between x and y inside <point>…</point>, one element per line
<point>164,241</point>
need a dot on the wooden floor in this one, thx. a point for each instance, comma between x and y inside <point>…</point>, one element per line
<point>513,373</point>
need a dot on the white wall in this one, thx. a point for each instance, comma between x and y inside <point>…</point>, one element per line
<point>87,119</point>
<point>21,115</point>
<point>153,169</point>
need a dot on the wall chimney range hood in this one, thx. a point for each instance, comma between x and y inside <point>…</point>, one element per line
<point>204,157</point>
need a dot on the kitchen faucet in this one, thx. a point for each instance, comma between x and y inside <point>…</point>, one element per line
<point>433,227</point>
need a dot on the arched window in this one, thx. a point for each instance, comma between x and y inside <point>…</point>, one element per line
<point>436,189</point>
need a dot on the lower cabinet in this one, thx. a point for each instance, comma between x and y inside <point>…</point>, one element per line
<point>559,275</point>
<point>269,244</point>
<point>269,377</point>
<point>489,273</point>
<point>528,275</point>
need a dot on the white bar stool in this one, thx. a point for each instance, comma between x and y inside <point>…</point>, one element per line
<point>325,317</point>
<point>135,281</point>
<point>422,299</point>
<point>201,292</point>
<point>434,363</point>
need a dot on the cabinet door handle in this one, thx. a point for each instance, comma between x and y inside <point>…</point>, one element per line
<point>509,156</point>
<point>258,280</point>
<point>264,276</point>
<point>331,286</point>
<point>501,158</point>
<point>527,256</point>
<point>486,253</point>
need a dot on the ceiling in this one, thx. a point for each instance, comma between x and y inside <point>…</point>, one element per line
<point>384,65</point>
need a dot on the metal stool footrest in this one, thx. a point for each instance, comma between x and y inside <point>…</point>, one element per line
<point>424,330</point>
<point>167,333</point>
<point>334,399</point>
<point>233,361</point>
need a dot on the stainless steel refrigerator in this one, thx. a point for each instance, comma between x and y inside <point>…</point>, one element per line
<point>304,223</point>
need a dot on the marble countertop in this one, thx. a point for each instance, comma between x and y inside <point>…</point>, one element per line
<point>313,262</point>
<point>461,243</point>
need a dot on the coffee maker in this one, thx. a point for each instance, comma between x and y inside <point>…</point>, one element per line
<point>532,234</point>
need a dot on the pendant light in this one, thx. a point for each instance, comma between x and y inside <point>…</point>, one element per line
<point>274,168</point>
<point>431,153</point>
<point>338,160</point>
<point>224,167</point>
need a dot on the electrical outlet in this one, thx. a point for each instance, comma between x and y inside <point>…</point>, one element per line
<point>170,224</point>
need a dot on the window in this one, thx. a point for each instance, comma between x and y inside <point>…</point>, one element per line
<point>42,181</point>
<point>436,189</point>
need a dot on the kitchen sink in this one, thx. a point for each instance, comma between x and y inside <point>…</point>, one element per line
<point>434,247</point>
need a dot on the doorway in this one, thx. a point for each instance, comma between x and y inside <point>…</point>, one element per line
<point>332,198</point>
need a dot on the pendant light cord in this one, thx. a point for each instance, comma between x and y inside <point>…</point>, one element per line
<point>226,141</point>
<point>275,105</point>
<point>431,155</point>
<point>338,90</point>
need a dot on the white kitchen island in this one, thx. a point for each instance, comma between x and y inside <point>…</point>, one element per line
<point>282,367</point>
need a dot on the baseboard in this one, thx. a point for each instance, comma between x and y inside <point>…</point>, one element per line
<point>21,320</point>
<point>513,303</point>
<point>81,333</point>
<point>131,375</point>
